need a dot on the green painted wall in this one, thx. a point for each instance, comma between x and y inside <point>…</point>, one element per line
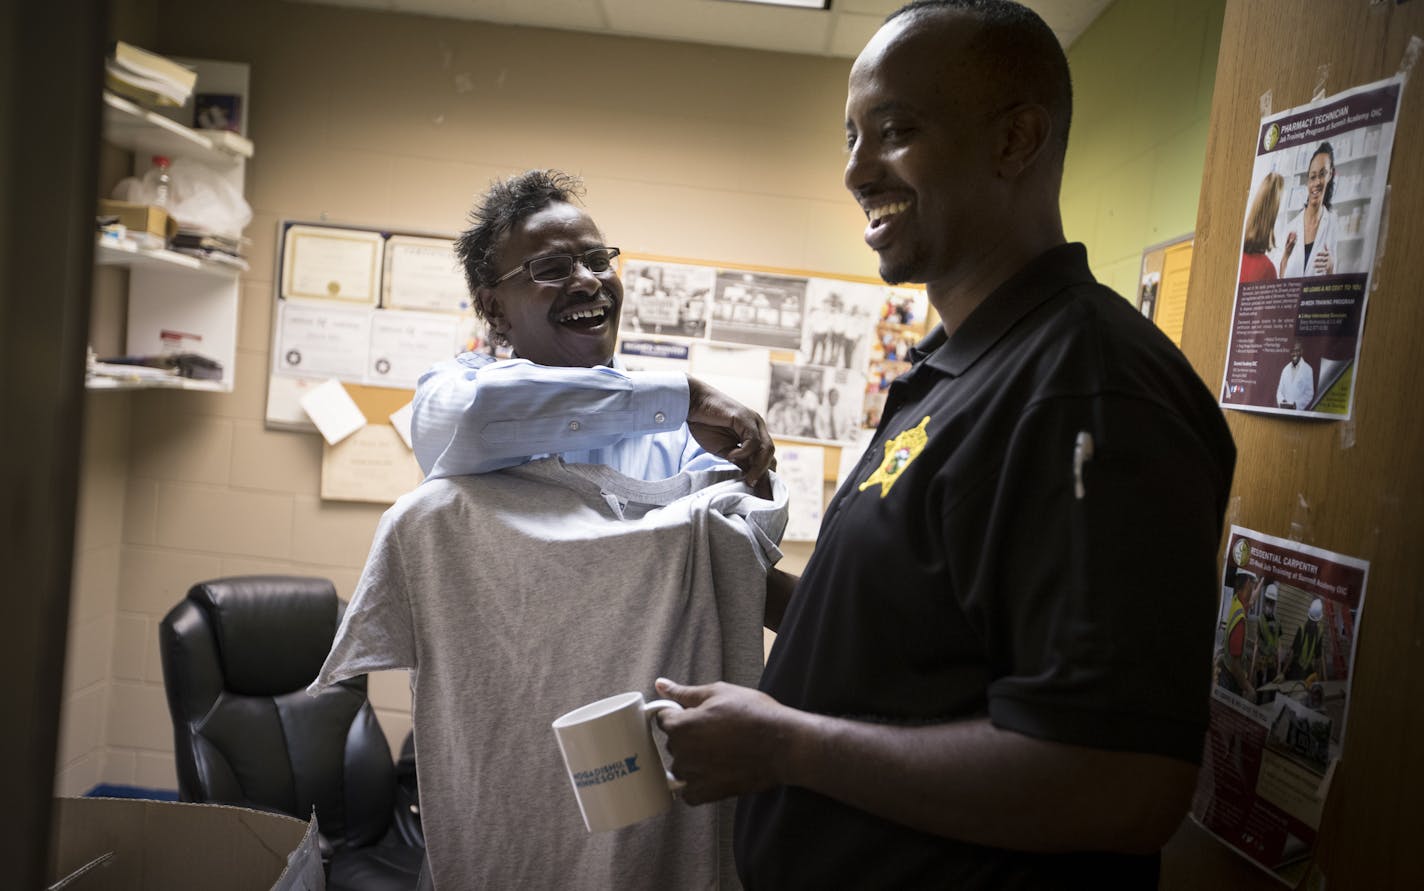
<point>1142,81</point>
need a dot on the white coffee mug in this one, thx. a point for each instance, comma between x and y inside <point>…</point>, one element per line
<point>612,761</point>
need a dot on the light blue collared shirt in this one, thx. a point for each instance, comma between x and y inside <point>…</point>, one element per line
<point>475,414</point>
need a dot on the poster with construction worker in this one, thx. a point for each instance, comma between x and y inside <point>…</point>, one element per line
<point>1285,645</point>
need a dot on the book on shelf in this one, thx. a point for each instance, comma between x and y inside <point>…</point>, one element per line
<point>148,77</point>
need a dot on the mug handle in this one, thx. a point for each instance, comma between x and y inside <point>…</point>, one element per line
<point>650,709</point>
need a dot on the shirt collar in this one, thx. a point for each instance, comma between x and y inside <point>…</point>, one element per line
<point>1050,272</point>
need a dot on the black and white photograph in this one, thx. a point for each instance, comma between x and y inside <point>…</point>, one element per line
<point>840,322</point>
<point>666,299</point>
<point>811,402</point>
<point>759,309</point>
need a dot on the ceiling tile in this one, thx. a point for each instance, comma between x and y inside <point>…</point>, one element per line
<point>388,5</point>
<point>731,24</point>
<point>839,32</point>
<point>852,33</point>
<point>577,15</point>
<point>880,8</point>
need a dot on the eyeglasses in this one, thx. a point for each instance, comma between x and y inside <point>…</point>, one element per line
<point>557,267</point>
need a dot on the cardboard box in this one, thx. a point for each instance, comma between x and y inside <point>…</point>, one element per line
<point>127,844</point>
<point>140,218</point>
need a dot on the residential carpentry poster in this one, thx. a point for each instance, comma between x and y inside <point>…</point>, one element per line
<point>1284,658</point>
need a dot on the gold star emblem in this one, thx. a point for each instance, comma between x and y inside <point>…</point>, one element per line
<point>899,452</point>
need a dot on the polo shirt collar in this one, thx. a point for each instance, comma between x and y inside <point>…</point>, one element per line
<point>1044,276</point>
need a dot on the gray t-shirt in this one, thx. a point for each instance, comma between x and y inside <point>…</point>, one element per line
<point>516,596</point>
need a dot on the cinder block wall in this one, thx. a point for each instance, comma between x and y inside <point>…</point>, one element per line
<point>400,121</point>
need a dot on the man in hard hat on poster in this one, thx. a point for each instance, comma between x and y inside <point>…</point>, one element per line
<point>1268,637</point>
<point>1307,654</point>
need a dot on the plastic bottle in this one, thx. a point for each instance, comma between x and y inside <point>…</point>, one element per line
<point>160,181</point>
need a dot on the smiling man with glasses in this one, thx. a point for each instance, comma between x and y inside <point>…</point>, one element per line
<point>544,281</point>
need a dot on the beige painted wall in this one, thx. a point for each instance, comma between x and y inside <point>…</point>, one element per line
<point>362,117</point>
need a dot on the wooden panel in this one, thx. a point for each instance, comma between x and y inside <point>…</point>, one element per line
<point>1355,487</point>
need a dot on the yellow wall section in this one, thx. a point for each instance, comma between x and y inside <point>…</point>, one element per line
<point>1142,81</point>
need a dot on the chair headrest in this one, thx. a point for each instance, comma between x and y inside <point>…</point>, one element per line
<point>273,631</point>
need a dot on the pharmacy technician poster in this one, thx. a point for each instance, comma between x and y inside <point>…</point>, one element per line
<point>1286,639</point>
<point>1307,247</point>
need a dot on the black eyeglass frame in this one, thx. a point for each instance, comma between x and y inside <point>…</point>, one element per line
<point>582,258</point>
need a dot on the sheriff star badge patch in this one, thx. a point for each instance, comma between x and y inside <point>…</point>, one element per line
<point>899,452</point>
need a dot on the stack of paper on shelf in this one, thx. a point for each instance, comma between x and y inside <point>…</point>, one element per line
<point>148,77</point>
<point>209,246</point>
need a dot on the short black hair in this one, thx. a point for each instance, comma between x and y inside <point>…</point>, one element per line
<point>1016,48</point>
<point>505,204</point>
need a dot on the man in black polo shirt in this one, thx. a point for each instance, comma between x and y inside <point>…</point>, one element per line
<point>995,670</point>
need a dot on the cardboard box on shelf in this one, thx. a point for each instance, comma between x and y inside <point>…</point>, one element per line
<point>144,218</point>
<point>120,844</point>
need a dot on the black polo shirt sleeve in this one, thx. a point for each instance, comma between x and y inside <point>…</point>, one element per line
<point>1097,607</point>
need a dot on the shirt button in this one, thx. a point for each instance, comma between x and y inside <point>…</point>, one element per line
<point>659,417</point>
<point>469,375</point>
<point>574,425</point>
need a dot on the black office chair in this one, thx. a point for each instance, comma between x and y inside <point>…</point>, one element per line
<point>238,654</point>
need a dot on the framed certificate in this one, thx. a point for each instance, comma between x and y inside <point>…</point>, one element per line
<point>327,263</point>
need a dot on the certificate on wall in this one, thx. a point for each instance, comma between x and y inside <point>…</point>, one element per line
<point>1307,248</point>
<point>373,464</point>
<point>331,264</point>
<point>403,346</point>
<point>321,340</point>
<point>423,273</point>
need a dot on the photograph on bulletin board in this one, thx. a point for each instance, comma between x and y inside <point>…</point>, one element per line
<point>814,402</point>
<point>902,322</point>
<point>758,309</point>
<point>665,299</point>
<point>840,319</point>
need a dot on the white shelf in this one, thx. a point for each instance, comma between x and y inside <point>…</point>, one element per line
<point>176,383</point>
<point>170,293</point>
<point>106,253</point>
<point>145,132</point>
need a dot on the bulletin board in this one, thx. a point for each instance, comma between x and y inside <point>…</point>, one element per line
<point>1162,290</point>
<point>373,308</point>
<point>780,340</point>
<point>813,353</point>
